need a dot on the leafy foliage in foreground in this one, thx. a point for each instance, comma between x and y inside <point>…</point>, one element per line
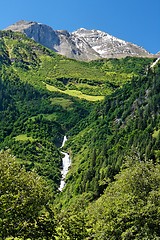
<point>129,207</point>
<point>26,210</point>
<point>24,198</point>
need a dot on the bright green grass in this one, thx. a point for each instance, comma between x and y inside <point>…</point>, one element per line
<point>23,137</point>
<point>51,117</point>
<point>155,134</point>
<point>75,93</point>
<point>11,238</point>
<point>65,103</point>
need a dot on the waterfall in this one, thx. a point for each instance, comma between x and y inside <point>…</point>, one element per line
<point>66,163</point>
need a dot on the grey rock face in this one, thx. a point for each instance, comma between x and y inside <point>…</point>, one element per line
<point>82,44</point>
<point>41,33</point>
<point>108,46</point>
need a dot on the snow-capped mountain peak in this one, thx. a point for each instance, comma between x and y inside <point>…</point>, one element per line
<point>82,44</point>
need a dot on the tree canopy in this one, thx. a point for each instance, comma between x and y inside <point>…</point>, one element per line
<point>130,206</point>
<point>24,200</point>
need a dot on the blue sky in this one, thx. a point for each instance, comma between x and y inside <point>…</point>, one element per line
<point>136,21</point>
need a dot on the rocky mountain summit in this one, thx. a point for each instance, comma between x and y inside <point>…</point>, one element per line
<point>82,44</point>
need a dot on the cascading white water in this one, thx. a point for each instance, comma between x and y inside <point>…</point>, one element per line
<point>66,163</point>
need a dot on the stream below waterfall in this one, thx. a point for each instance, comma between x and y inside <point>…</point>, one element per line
<point>66,163</point>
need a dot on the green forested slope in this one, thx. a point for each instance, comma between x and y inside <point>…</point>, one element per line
<point>33,120</point>
<point>126,124</point>
<point>44,96</point>
<point>37,104</point>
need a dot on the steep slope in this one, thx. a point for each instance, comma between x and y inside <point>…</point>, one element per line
<point>44,95</point>
<point>82,44</point>
<point>37,108</point>
<point>44,68</point>
<point>106,45</point>
<point>33,120</point>
<point>126,125</point>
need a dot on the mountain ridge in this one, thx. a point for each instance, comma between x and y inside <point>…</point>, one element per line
<point>81,44</point>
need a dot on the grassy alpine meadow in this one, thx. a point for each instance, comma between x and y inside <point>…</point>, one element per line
<point>36,64</point>
<point>75,93</point>
<point>23,137</point>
